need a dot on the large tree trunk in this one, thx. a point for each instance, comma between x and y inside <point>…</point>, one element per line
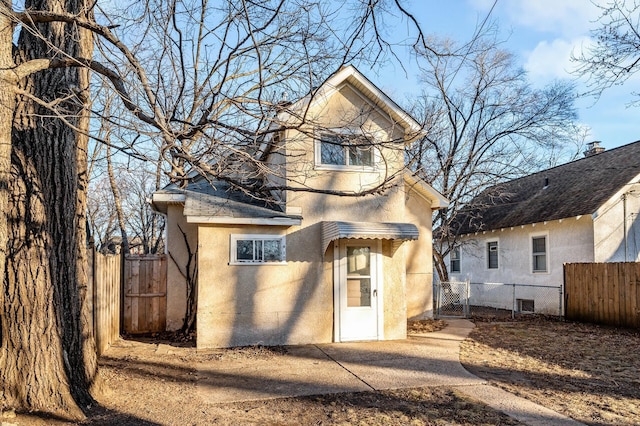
<point>49,361</point>
<point>7,102</point>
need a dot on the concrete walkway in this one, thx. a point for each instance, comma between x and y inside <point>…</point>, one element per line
<point>430,359</point>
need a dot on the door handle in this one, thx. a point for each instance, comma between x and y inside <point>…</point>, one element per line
<point>375,292</point>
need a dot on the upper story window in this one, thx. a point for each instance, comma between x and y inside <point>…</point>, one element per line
<point>492,255</point>
<point>539,252</point>
<point>454,260</point>
<point>344,151</point>
<point>257,249</point>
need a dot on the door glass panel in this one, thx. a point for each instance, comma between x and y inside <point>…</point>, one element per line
<point>358,261</point>
<point>358,276</point>
<point>358,292</point>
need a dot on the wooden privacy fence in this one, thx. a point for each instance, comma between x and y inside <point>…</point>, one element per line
<point>145,294</point>
<point>105,276</point>
<point>142,307</point>
<point>605,293</point>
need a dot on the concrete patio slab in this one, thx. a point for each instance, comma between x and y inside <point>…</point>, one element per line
<point>430,359</point>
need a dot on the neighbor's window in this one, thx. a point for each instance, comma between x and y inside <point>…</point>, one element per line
<point>492,255</point>
<point>454,260</point>
<point>539,250</point>
<point>255,249</point>
<point>345,151</point>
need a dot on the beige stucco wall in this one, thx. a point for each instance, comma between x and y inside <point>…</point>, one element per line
<point>419,258</point>
<point>177,255</point>
<point>394,292</point>
<point>264,304</point>
<point>344,110</point>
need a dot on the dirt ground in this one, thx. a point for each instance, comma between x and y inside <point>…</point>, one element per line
<point>588,372</point>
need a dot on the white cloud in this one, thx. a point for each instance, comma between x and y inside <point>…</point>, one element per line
<point>551,60</point>
<point>568,18</point>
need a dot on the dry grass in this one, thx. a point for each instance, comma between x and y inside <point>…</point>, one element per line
<point>588,372</point>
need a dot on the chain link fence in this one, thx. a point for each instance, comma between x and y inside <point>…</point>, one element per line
<point>465,299</point>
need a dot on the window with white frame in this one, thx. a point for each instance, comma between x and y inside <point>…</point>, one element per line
<point>344,151</point>
<point>257,249</point>
<point>492,255</point>
<point>539,252</point>
<point>454,260</point>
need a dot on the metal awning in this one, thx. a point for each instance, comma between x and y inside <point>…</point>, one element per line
<point>332,230</point>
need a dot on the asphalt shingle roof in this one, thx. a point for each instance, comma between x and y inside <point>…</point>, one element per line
<point>218,198</point>
<point>576,188</point>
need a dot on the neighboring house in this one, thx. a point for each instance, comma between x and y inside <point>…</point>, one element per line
<point>524,230</point>
<point>314,267</point>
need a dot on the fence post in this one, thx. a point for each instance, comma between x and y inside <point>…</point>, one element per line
<point>436,293</point>
<point>91,282</point>
<point>513,301</point>
<point>560,298</point>
<point>121,289</point>
<point>467,304</point>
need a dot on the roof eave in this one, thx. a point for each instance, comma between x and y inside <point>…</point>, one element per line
<point>422,188</point>
<point>160,200</point>
<point>227,220</point>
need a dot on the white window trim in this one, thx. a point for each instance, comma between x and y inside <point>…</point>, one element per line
<point>546,248</point>
<point>317,148</point>
<point>237,237</point>
<point>459,249</point>
<point>486,254</point>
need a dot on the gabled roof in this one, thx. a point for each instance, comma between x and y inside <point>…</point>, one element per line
<point>577,188</point>
<point>349,74</point>
<point>218,202</point>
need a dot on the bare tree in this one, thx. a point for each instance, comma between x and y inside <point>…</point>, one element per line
<point>197,84</point>
<point>128,214</point>
<point>614,56</point>
<point>101,216</point>
<point>483,123</point>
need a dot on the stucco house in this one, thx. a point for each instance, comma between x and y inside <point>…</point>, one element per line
<point>314,266</point>
<point>524,230</point>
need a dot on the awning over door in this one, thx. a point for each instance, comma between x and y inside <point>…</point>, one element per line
<point>333,230</point>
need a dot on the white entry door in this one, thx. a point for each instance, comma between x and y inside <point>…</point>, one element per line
<point>357,290</point>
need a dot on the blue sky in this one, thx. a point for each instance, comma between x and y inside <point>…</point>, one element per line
<point>542,33</point>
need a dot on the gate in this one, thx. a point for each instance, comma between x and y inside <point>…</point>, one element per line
<point>145,294</point>
<point>452,299</point>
